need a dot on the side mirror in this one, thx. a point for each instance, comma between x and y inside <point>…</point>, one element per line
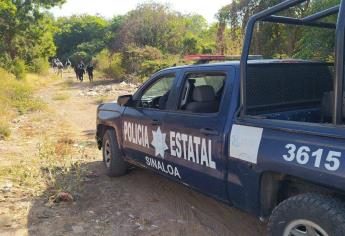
<point>123,100</point>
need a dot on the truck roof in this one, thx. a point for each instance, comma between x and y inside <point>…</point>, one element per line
<point>250,62</point>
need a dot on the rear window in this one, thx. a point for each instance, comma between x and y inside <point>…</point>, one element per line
<point>274,86</point>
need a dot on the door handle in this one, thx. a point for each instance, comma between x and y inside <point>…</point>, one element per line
<point>207,131</point>
<point>156,122</point>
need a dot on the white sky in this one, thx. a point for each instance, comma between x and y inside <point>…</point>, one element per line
<point>109,8</point>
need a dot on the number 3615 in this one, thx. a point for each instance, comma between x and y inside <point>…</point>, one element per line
<point>303,155</point>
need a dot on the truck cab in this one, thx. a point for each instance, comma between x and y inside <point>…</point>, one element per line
<point>260,135</point>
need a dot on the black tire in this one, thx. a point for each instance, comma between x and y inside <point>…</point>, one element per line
<point>112,156</point>
<point>322,211</point>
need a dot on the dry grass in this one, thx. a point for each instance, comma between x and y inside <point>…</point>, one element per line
<point>56,167</point>
<point>16,97</point>
<point>60,96</point>
<point>68,83</point>
<point>101,99</point>
<point>61,165</point>
<point>4,129</point>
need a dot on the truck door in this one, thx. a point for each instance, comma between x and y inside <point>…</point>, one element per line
<point>195,129</point>
<point>144,115</point>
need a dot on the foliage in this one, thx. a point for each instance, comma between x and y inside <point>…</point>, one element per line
<point>5,113</point>
<point>76,57</point>
<point>19,68</point>
<point>149,67</point>
<point>26,33</point>
<point>19,95</point>
<point>272,40</point>
<point>150,37</point>
<point>40,66</point>
<point>110,64</point>
<point>80,37</point>
<point>135,56</point>
<point>146,39</point>
<point>156,25</point>
<point>317,43</point>
<point>16,97</point>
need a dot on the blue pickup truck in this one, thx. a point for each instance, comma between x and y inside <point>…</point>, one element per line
<point>265,136</point>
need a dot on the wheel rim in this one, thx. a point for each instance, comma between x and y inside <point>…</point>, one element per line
<point>304,228</point>
<point>107,153</point>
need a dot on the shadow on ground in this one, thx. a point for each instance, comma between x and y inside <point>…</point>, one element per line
<point>140,203</point>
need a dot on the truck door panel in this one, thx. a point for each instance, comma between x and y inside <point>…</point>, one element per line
<point>145,115</point>
<point>196,140</point>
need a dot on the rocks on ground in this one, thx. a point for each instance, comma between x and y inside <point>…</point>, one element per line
<point>105,90</point>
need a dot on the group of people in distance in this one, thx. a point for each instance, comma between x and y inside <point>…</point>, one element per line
<point>57,66</point>
<point>79,69</point>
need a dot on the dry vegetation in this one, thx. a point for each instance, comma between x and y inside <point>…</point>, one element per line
<point>16,98</point>
<point>54,165</point>
<point>60,96</point>
<point>40,155</point>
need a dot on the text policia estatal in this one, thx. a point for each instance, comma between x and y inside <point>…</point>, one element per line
<point>191,148</point>
<point>136,134</point>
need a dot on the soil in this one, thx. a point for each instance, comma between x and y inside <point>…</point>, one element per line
<point>140,203</point>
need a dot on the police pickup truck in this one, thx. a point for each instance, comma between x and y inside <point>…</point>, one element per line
<point>265,136</point>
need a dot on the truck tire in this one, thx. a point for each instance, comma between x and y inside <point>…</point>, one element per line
<point>308,214</point>
<point>112,156</point>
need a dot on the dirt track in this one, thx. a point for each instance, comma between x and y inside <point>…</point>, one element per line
<point>141,203</point>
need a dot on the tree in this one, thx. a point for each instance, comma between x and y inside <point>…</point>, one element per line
<point>270,37</point>
<point>25,31</point>
<point>80,35</point>
<point>318,43</point>
<point>156,25</point>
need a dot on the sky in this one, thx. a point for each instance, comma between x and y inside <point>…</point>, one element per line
<point>109,8</point>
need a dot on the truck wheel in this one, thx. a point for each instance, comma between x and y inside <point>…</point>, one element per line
<point>112,156</point>
<point>308,214</point>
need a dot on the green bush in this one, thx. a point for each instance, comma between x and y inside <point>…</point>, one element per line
<point>19,68</point>
<point>78,56</point>
<point>110,64</point>
<point>149,67</point>
<point>40,66</point>
<point>134,57</point>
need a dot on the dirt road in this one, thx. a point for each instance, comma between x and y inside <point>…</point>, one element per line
<point>140,203</point>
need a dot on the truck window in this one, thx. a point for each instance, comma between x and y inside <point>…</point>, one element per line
<point>202,92</point>
<point>156,95</point>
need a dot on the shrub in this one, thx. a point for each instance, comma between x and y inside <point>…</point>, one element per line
<point>149,67</point>
<point>40,66</point>
<point>17,94</point>
<point>19,69</point>
<point>21,97</point>
<point>4,129</point>
<point>110,64</point>
<point>134,57</point>
<point>78,56</point>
